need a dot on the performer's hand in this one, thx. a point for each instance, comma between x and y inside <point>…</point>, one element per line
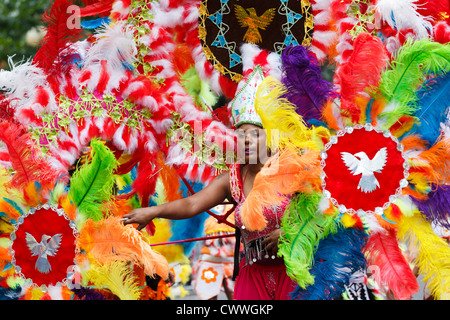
<point>271,242</point>
<point>141,216</point>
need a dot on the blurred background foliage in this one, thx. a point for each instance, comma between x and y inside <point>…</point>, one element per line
<point>20,32</point>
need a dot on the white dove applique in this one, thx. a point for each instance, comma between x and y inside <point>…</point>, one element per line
<point>47,247</point>
<point>359,163</point>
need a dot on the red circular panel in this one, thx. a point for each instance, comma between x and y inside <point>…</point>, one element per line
<point>60,251</point>
<point>356,190</point>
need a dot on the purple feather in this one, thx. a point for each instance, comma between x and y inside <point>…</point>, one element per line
<point>437,206</point>
<point>303,79</point>
<point>89,294</point>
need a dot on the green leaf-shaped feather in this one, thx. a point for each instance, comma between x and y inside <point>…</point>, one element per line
<point>415,61</point>
<point>303,228</point>
<point>92,184</point>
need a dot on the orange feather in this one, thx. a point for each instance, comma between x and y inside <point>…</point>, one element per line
<point>9,210</point>
<point>328,116</point>
<point>170,180</point>
<point>109,240</point>
<point>281,176</point>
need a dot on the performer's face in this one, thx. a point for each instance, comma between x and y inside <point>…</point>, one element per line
<point>252,147</point>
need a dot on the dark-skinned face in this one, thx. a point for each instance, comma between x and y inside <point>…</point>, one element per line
<point>252,147</point>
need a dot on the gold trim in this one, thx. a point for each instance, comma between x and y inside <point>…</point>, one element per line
<point>204,14</point>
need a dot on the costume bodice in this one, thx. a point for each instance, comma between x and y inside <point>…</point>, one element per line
<point>252,239</point>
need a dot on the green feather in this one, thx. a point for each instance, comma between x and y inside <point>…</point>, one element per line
<point>199,90</point>
<point>414,62</point>
<point>303,228</point>
<point>92,184</point>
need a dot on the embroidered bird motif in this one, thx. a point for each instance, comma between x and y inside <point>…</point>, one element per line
<point>248,19</point>
<point>47,247</point>
<point>359,163</point>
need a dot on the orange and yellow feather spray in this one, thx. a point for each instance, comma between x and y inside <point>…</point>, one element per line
<point>296,165</point>
<point>109,240</point>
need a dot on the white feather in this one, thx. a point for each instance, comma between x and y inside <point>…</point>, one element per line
<point>321,4</point>
<point>324,204</point>
<point>151,145</point>
<point>167,19</point>
<point>372,223</point>
<point>21,82</point>
<point>248,52</point>
<point>55,292</point>
<point>118,7</point>
<point>175,155</point>
<point>402,15</point>
<point>160,126</point>
<point>115,44</point>
<point>117,138</point>
<point>84,133</point>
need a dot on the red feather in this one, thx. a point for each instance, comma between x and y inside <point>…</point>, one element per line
<point>42,97</point>
<point>102,8</point>
<point>57,38</point>
<point>25,158</point>
<point>438,9</point>
<point>147,174</point>
<point>6,113</point>
<point>361,71</point>
<point>104,77</point>
<point>145,183</point>
<point>383,251</point>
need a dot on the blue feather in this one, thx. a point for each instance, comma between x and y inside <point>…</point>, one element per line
<point>338,256</point>
<point>93,24</point>
<point>369,110</point>
<point>433,102</point>
<point>10,293</point>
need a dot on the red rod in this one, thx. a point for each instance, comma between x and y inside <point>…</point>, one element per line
<point>194,239</point>
<point>220,219</point>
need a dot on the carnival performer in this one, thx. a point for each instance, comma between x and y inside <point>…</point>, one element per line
<point>262,275</point>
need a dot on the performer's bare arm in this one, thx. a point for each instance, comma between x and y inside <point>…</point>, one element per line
<point>212,195</point>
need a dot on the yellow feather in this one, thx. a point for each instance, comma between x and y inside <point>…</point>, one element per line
<point>348,221</point>
<point>174,252</point>
<point>117,277</point>
<point>5,177</point>
<point>420,182</point>
<point>285,127</point>
<point>406,206</point>
<point>432,254</point>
